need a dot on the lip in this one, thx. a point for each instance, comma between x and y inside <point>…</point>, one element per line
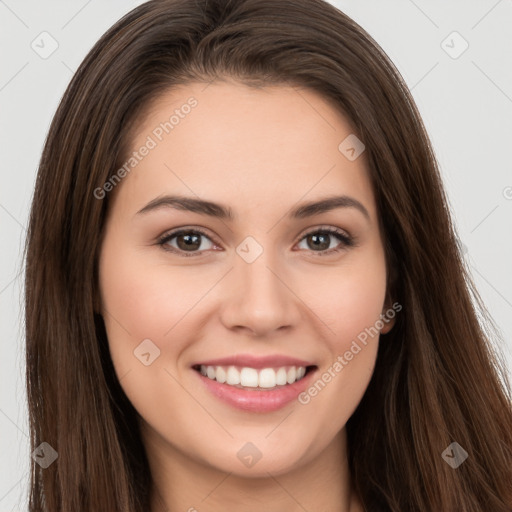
<point>257,362</point>
<point>252,400</point>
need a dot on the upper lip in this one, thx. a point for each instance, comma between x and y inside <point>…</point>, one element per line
<point>251,361</point>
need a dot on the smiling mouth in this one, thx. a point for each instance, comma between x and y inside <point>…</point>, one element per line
<point>264,379</point>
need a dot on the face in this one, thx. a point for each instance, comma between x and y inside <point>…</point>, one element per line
<point>270,297</point>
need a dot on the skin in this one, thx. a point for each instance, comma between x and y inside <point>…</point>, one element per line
<point>260,152</point>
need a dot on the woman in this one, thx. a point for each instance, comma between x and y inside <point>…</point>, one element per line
<point>203,336</point>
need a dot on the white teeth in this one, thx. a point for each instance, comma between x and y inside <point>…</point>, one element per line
<point>220,374</point>
<point>249,377</point>
<point>267,378</point>
<point>252,378</point>
<point>281,376</point>
<point>233,376</point>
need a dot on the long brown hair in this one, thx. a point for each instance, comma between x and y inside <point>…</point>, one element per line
<point>437,379</point>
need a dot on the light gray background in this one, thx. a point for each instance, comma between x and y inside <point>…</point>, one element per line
<point>466,104</point>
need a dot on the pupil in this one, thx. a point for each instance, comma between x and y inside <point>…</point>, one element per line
<point>190,241</point>
<point>324,245</point>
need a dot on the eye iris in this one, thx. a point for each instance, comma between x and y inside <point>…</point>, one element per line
<point>321,245</point>
<point>191,241</point>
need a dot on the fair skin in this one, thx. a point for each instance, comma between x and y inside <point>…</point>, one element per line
<point>261,153</point>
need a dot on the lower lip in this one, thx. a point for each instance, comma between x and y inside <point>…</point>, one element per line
<point>257,401</point>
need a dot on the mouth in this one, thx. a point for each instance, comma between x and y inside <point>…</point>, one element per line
<point>254,379</point>
<point>257,390</point>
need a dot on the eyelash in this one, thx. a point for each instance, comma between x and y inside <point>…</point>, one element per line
<point>346,240</point>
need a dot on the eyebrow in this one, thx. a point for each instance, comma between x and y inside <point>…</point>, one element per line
<point>212,209</point>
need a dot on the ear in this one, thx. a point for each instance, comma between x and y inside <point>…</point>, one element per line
<point>388,315</point>
<point>388,323</point>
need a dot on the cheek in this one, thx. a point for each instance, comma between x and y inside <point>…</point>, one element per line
<point>142,299</point>
<point>148,301</point>
<point>350,302</point>
<point>348,298</point>
<point>132,304</point>
<point>359,306</point>
<point>140,303</point>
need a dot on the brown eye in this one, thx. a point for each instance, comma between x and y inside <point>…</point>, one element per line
<point>320,241</point>
<point>186,241</point>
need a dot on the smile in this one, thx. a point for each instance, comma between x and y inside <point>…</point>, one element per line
<point>246,377</point>
<point>269,384</point>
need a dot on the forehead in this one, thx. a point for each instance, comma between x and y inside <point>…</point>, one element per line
<point>232,142</point>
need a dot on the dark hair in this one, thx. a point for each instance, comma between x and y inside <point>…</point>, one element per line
<point>437,378</point>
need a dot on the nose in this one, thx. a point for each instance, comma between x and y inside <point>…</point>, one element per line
<point>259,298</point>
